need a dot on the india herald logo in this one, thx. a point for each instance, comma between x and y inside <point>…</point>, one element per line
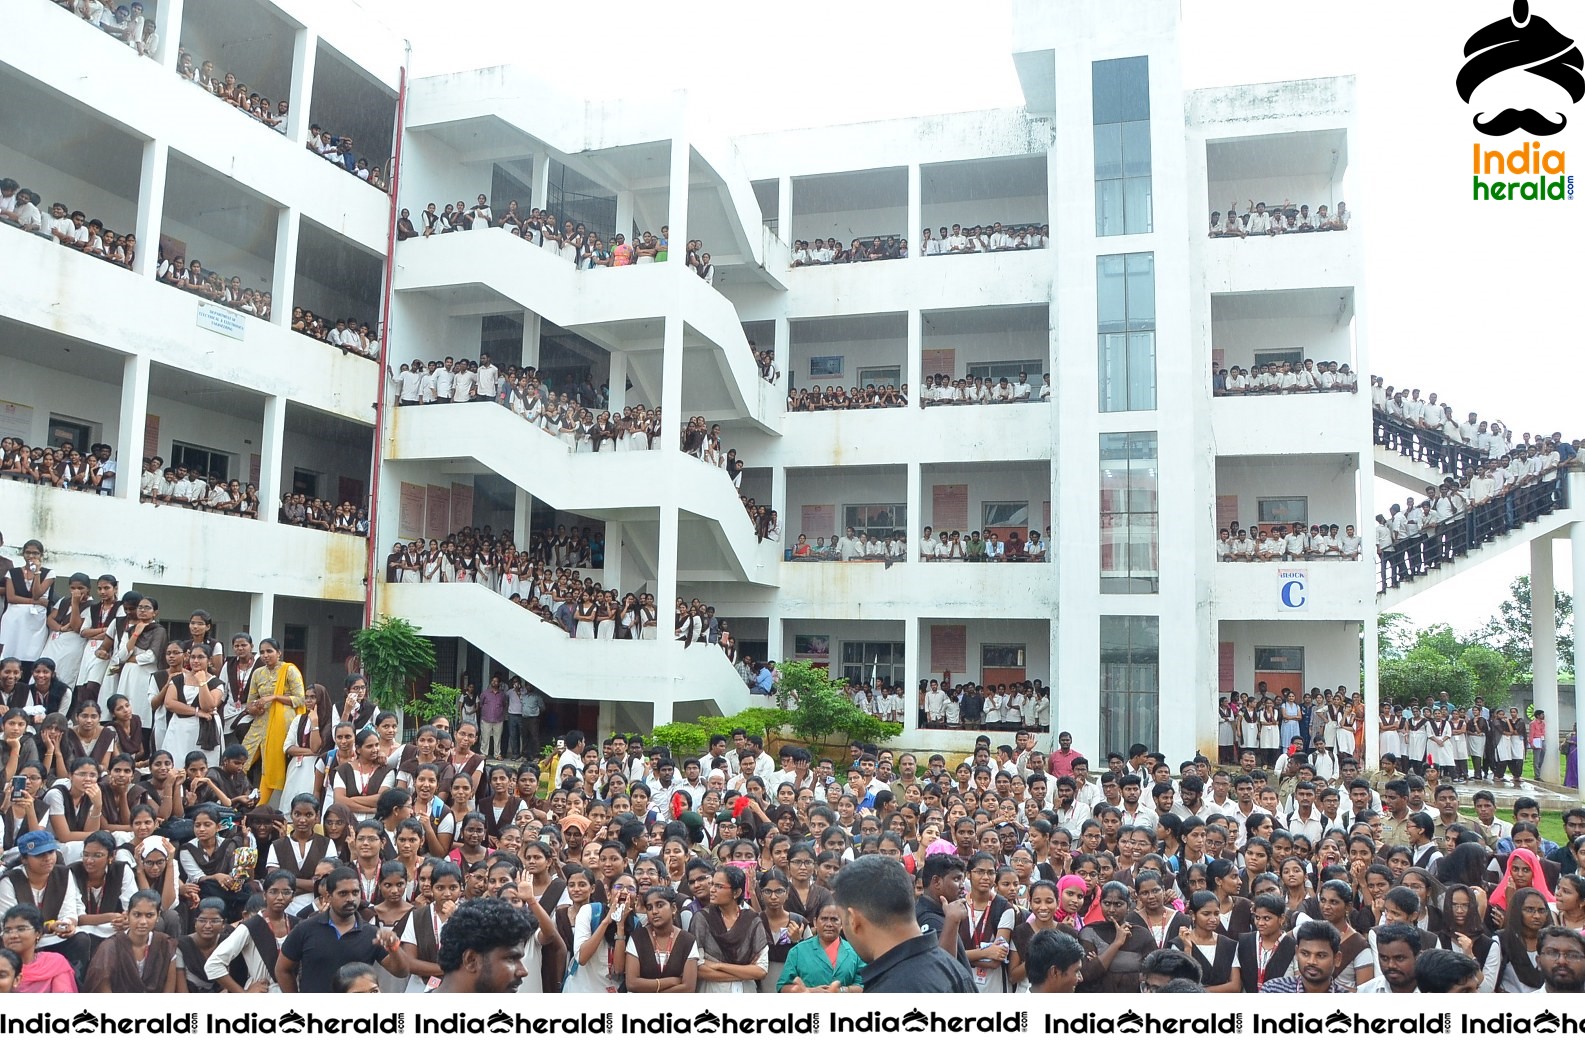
<point>1531,43</point>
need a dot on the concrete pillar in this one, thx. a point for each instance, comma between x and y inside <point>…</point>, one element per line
<point>522,516</point>
<point>611,579</point>
<point>1543,650</point>
<point>783,349</point>
<point>272,454</point>
<point>261,616</point>
<point>916,209</point>
<point>168,23</point>
<point>624,214</point>
<point>305,51</point>
<point>530,352</point>
<point>541,188</point>
<point>151,207</point>
<point>1372,694</point>
<point>912,669</point>
<point>618,380</point>
<point>671,368</point>
<point>284,284</point>
<point>134,418</point>
<point>773,638</point>
<point>784,203</point>
<point>912,379</point>
<point>915,502</point>
<point>677,208</point>
<point>778,503</point>
<point>666,575</point>
<point>1577,555</point>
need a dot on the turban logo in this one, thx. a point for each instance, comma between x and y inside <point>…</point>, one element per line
<point>1527,42</point>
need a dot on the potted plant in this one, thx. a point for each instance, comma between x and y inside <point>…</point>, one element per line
<point>394,655</point>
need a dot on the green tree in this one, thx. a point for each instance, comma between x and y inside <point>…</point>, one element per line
<point>817,709</point>
<point>394,655</point>
<point>1508,631</point>
<point>1434,660</point>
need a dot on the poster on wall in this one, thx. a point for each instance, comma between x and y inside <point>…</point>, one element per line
<point>438,518</point>
<point>949,647</point>
<point>819,519</point>
<point>829,366</point>
<point>410,518</point>
<point>461,507</point>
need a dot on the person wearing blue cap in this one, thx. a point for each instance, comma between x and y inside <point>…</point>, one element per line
<point>42,881</point>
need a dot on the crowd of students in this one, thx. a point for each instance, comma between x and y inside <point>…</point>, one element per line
<point>347,334</point>
<point>1424,533</point>
<point>66,226</point>
<point>830,251</point>
<point>186,487</point>
<point>1427,431</point>
<point>1256,220</point>
<point>1018,707</point>
<point>123,22</point>
<point>63,467</point>
<point>297,844</point>
<point>345,518</point>
<point>873,395</point>
<point>1308,377</point>
<point>1288,543</point>
<point>856,545</point>
<point>972,240</point>
<point>941,389</point>
<point>209,285</point>
<point>572,241</point>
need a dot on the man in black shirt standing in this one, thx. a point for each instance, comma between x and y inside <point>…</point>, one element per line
<point>876,895</point>
<point>319,946</point>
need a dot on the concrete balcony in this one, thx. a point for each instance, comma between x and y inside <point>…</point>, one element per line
<point>155,547</point>
<point>1299,590</point>
<point>59,290</point>
<point>658,673</point>
<point>937,282</point>
<point>621,486</point>
<point>868,590</point>
<point>1331,422</point>
<point>898,435</point>
<point>138,93</point>
<point>595,304</point>
<point>1308,260</point>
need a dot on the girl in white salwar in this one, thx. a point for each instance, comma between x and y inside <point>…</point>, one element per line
<point>302,744</point>
<point>24,630</point>
<point>191,702</point>
<point>137,656</point>
<point>66,644</point>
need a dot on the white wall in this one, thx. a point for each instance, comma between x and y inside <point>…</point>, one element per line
<point>225,259</point>
<point>1321,339</point>
<point>1032,635</point>
<point>1314,189</point>
<point>856,354</point>
<point>1009,211</point>
<point>842,488</point>
<point>989,483</point>
<point>888,221</point>
<point>47,391</point>
<point>1327,481</point>
<point>976,347</point>
<point>118,210</point>
<point>330,459</point>
<point>1331,652</point>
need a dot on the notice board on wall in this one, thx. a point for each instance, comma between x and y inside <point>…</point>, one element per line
<point>949,507</point>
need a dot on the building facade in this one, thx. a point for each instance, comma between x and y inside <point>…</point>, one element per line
<point>1115,300</point>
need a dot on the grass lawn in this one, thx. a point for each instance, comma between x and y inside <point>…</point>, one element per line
<point>1551,823</point>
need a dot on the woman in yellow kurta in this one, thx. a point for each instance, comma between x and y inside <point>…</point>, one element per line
<point>279,685</point>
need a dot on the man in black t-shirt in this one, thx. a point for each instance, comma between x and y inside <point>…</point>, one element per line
<point>319,946</point>
<point>876,896</point>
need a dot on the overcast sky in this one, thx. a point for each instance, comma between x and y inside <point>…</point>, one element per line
<point>1479,302</point>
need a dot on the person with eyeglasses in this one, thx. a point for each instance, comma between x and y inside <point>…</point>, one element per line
<point>1561,955</point>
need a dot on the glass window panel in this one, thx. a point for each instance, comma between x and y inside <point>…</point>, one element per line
<point>1137,205</point>
<point>1109,151</point>
<point>1134,143</point>
<point>1110,218</point>
<point>1120,90</point>
<point>1113,373</point>
<point>1111,304</point>
<point>1141,291</point>
<point>1141,371</point>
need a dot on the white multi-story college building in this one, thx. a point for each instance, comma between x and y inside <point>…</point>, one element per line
<point>1128,468</point>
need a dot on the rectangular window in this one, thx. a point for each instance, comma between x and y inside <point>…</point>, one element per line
<point>881,375</point>
<point>868,517</point>
<point>1130,554</point>
<point>1282,510</point>
<point>305,483</point>
<point>1004,515</point>
<point>1120,107</point>
<point>1130,690</point>
<point>1007,369</point>
<point>206,461</point>
<point>1292,356</point>
<point>1125,307</point>
<point>872,661</point>
<point>64,429</point>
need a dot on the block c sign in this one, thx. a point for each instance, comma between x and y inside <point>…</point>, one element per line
<point>1292,589</point>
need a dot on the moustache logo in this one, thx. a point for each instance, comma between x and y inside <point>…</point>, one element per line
<point>1527,42</point>
<point>1527,120</point>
